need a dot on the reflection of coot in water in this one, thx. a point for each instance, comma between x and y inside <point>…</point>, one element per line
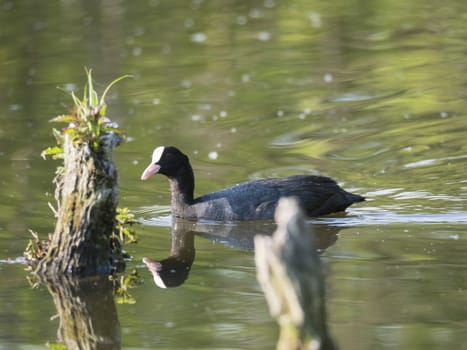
<point>170,272</point>
<point>254,200</point>
<point>174,270</point>
<point>240,235</point>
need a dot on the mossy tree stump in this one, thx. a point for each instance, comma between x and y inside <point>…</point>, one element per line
<point>83,241</point>
<point>87,197</point>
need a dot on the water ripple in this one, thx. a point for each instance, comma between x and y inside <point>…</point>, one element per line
<point>18,260</point>
<point>155,215</point>
<point>152,210</point>
<point>386,218</point>
<point>427,162</point>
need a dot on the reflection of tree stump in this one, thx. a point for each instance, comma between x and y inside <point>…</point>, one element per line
<point>289,271</point>
<point>87,312</point>
<point>87,197</point>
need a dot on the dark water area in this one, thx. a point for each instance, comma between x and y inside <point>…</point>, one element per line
<point>371,94</point>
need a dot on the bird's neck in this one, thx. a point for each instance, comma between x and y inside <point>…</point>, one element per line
<point>183,242</point>
<point>182,187</point>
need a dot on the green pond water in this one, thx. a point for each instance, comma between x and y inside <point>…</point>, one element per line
<point>372,94</point>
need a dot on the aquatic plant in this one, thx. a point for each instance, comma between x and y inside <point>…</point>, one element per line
<point>122,285</point>
<point>87,120</point>
<point>124,227</point>
<point>36,248</point>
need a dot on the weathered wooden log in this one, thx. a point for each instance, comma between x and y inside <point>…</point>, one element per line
<point>290,274</point>
<point>87,198</point>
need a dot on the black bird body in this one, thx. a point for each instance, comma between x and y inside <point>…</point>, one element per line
<point>253,200</point>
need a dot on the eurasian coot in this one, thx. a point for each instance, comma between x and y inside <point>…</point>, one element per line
<point>253,200</point>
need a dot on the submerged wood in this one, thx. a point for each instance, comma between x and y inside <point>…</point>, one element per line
<point>290,274</point>
<point>87,198</point>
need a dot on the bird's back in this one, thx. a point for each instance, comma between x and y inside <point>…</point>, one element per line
<point>257,200</point>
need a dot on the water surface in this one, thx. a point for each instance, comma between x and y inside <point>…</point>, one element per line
<point>372,94</point>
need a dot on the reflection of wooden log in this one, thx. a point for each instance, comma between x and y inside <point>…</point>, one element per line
<point>87,196</point>
<point>86,310</point>
<point>289,271</point>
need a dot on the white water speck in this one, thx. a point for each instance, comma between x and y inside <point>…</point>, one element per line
<point>199,38</point>
<point>137,51</point>
<point>69,87</point>
<point>264,36</point>
<point>139,31</point>
<point>223,114</point>
<point>241,20</point>
<point>328,78</point>
<point>15,107</point>
<point>156,101</point>
<point>315,19</point>
<point>205,107</point>
<point>255,13</point>
<point>245,78</point>
<point>213,155</point>
<point>280,113</point>
<point>186,84</point>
